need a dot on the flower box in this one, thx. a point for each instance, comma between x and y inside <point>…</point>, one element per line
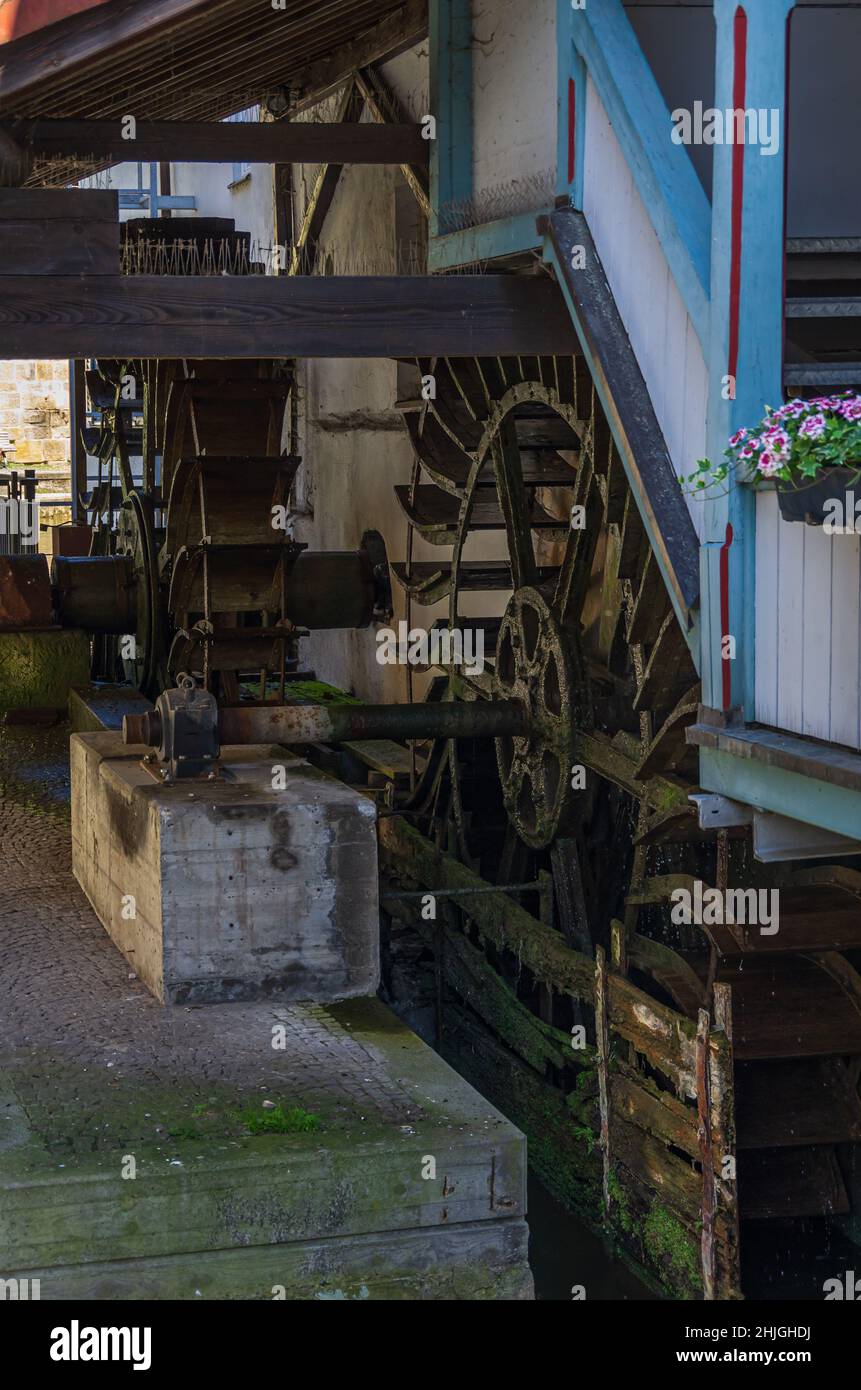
<point>809,502</point>
<point>808,450</point>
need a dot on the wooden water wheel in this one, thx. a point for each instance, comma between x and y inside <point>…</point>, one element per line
<point>543,549</point>
<point>516,459</point>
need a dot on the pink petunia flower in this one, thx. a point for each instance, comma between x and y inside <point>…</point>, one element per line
<point>813,427</point>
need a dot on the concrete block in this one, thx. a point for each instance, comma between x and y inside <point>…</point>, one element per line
<point>228,890</point>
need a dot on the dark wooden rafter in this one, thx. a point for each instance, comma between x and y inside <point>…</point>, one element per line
<point>261,142</point>
<point>406,26</point>
<point>192,60</point>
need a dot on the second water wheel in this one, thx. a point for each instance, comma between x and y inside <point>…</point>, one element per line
<point>579,627</point>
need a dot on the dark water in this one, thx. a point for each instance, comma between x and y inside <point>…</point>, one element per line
<point>563,1253</point>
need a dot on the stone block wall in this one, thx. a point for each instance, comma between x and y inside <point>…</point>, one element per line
<point>34,412</point>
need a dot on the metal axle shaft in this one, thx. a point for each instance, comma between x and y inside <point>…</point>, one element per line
<point>297,724</point>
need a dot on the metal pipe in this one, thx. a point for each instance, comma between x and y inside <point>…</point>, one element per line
<point>339,723</point>
<point>297,724</point>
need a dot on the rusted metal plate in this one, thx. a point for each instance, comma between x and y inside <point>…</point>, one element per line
<point>25,592</point>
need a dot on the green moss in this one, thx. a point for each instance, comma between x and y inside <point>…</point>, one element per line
<point>668,1243</point>
<point>280,1121</point>
<point>40,668</point>
<point>622,1216</point>
<point>307,693</point>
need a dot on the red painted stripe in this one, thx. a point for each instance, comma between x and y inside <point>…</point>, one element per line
<point>739,90</point>
<point>726,667</point>
<point>572,127</point>
<point>785,184</point>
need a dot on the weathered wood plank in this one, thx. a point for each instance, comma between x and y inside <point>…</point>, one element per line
<point>52,247</point>
<point>469,973</point>
<point>666,1039</point>
<point>220,142</point>
<point>281,316</point>
<point>639,1101</point>
<point>704,1131</point>
<point>68,204</point>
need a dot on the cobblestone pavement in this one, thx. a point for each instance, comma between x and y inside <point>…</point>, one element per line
<point>93,1056</point>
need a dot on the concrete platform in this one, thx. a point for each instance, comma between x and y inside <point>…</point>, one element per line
<point>98,1080</point>
<point>229,890</point>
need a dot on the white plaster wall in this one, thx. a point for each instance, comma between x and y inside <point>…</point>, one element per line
<point>249,202</point>
<point>354,444</point>
<point>514,100</point>
<point>652,310</point>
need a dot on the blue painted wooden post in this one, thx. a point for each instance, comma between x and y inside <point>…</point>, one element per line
<point>746,333</point>
<point>571,109</point>
<point>450,43</point>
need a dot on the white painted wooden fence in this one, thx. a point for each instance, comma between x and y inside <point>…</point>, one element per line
<point>652,310</point>
<point>808,626</point>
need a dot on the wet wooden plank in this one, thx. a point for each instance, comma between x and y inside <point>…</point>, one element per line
<point>639,1101</point>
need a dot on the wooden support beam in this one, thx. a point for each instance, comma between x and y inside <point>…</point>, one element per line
<point>58,232</point>
<point>400,30</point>
<point>41,246</point>
<point>226,142</point>
<point>69,204</point>
<point>282,316</point>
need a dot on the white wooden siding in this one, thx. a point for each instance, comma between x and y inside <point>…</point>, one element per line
<point>652,309</point>
<point>808,622</point>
